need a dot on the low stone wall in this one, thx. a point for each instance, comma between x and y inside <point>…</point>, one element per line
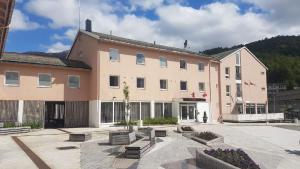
<point>207,161</point>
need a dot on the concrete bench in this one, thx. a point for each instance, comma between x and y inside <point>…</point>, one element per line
<point>138,149</point>
<point>121,137</point>
<point>80,136</point>
<point>160,133</point>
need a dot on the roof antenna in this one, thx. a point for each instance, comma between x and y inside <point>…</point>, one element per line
<point>78,14</point>
<point>185,44</point>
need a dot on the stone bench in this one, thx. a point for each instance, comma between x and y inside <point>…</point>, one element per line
<point>137,149</point>
<point>121,137</point>
<point>160,133</point>
<point>80,136</point>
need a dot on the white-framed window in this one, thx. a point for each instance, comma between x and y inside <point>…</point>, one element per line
<point>114,81</point>
<point>163,83</point>
<point>250,108</point>
<point>238,58</point>
<point>182,64</point>
<point>114,54</point>
<point>140,83</point>
<point>201,67</point>
<point>163,62</point>
<point>201,86</point>
<point>183,85</point>
<point>227,90</point>
<point>261,108</point>
<point>74,81</point>
<point>238,90</point>
<point>227,72</point>
<point>140,59</point>
<point>44,80</point>
<point>12,78</point>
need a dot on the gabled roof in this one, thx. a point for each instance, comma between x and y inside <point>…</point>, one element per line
<point>114,38</point>
<point>223,55</point>
<point>42,60</point>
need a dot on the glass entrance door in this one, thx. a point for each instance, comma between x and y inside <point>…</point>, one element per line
<point>187,112</point>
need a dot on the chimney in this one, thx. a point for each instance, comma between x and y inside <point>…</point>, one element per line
<point>88,25</point>
<point>185,44</point>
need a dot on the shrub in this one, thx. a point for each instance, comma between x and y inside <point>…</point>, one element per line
<point>237,158</point>
<point>9,124</point>
<point>123,123</point>
<point>161,120</point>
<point>206,135</point>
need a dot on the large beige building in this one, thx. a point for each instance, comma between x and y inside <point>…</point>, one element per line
<point>86,88</point>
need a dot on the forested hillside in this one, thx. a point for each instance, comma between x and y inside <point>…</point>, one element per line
<point>280,54</point>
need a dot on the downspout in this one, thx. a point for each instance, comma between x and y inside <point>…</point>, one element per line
<point>209,69</point>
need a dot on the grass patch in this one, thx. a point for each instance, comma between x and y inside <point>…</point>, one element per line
<point>33,125</point>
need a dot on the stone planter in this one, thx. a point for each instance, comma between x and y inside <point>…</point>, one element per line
<point>121,137</point>
<point>80,136</point>
<point>207,161</point>
<point>15,130</point>
<point>180,129</point>
<point>218,140</point>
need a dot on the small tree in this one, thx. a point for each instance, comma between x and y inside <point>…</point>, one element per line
<point>127,104</point>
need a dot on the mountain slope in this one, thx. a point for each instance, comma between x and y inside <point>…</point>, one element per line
<point>280,54</point>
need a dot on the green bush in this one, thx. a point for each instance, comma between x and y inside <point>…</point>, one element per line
<point>206,135</point>
<point>161,120</point>
<point>33,125</point>
<point>9,124</point>
<point>123,123</point>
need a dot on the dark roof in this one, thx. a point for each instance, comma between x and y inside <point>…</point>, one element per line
<point>222,55</point>
<point>42,60</point>
<point>98,35</point>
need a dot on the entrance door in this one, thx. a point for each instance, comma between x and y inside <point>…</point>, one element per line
<point>187,112</point>
<point>54,114</point>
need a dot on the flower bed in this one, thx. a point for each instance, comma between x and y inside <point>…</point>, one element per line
<point>229,158</point>
<point>206,135</point>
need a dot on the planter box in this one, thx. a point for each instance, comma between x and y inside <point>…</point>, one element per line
<point>207,161</point>
<point>14,130</point>
<point>160,133</point>
<point>80,136</point>
<point>121,137</point>
<point>181,130</point>
<point>218,140</point>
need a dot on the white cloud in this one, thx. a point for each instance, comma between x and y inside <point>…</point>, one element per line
<point>20,21</point>
<point>211,25</point>
<point>57,47</point>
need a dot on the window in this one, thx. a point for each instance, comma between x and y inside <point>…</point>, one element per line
<point>183,85</point>
<point>163,84</point>
<point>140,59</point>
<point>201,67</point>
<point>238,73</point>
<point>250,108</point>
<point>114,54</point>
<point>74,81</point>
<point>201,86</point>
<point>114,81</point>
<point>263,89</point>
<point>163,62</point>
<point>238,58</point>
<point>239,107</point>
<point>119,111</point>
<point>261,108</point>
<point>44,80</point>
<point>182,64</point>
<point>135,111</point>
<point>140,83</point>
<point>228,104</point>
<point>158,110</point>
<point>106,112</point>
<point>227,72</point>
<point>12,78</point>
<point>238,90</point>
<point>227,90</point>
<point>145,110</point>
<point>167,110</point>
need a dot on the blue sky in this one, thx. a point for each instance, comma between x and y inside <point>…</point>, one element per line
<point>51,25</point>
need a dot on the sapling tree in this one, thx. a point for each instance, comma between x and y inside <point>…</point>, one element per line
<point>127,103</point>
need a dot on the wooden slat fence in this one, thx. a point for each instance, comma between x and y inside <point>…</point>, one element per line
<point>76,114</point>
<point>9,110</point>
<point>34,111</point>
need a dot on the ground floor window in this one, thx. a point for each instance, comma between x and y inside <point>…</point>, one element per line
<point>261,108</point>
<point>158,110</point>
<point>250,108</point>
<point>167,110</point>
<point>239,108</point>
<point>145,110</point>
<point>135,111</point>
<point>119,111</point>
<point>106,112</point>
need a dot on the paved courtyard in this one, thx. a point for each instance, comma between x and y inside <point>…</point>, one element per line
<point>271,147</point>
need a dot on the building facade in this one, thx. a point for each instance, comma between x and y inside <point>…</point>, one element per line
<point>163,82</point>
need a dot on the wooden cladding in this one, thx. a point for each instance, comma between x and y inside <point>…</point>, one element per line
<point>34,111</point>
<point>9,110</point>
<point>76,113</point>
